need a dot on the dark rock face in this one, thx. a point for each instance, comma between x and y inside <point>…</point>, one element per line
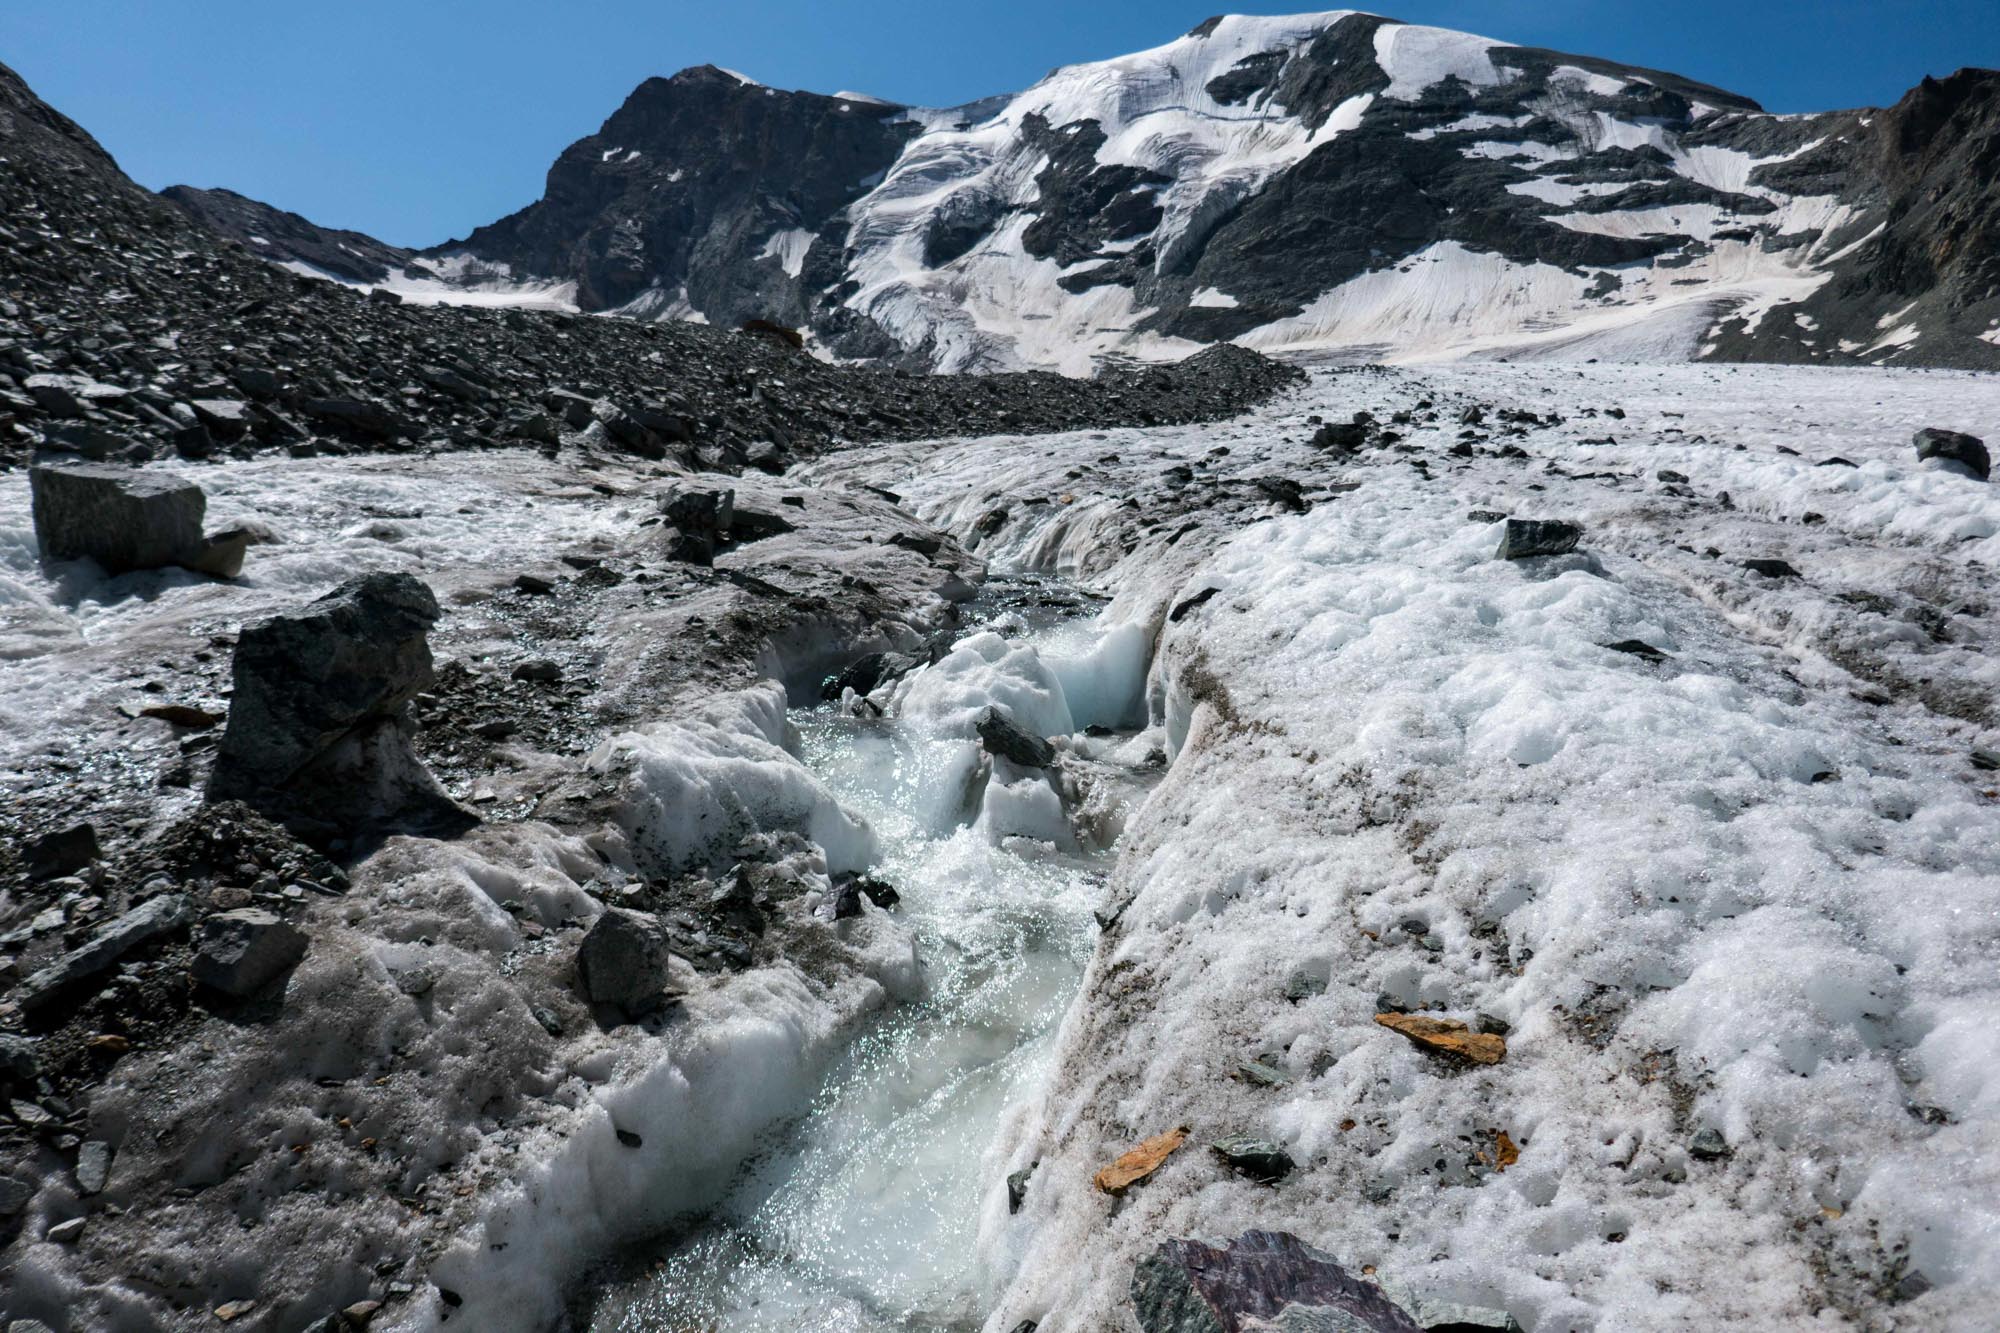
<point>1965,452</point>
<point>1186,1286</point>
<point>273,234</point>
<point>318,716</point>
<point>625,960</point>
<point>242,951</point>
<point>1003,737</point>
<point>684,189</point>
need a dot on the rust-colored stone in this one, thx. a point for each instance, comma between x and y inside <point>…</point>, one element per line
<point>1448,1037</point>
<point>1141,1162</point>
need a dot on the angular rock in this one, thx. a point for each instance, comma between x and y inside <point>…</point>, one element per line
<point>18,1061</point>
<point>149,921</point>
<point>63,852</point>
<point>1134,1166</point>
<point>1708,1145</point>
<point>1000,736</point>
<point>1966,453</point>
<point>1259,1159</point>
<point>14,1195</point>
<point>1017,1188</point>
<point>123,518</point>
<point>241,952</point>
<point>93,1167</point>
<point>1261,1279</point>
<point>702,519</point>
<point>319,712</point>
<point>1771,569</point>
<point>1525,538</point>
<point>625,961</point>
<point>1447,1037</point>
<point>63,1233</point>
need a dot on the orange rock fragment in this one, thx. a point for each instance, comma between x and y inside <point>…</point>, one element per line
<point>1445,1036</point>
<point>1141,1162</point>
<point>1505,1154</point>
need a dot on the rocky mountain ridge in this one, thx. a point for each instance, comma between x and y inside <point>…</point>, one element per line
<point>1331,181</point>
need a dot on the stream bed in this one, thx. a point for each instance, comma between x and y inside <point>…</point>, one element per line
<point>865,1216</point>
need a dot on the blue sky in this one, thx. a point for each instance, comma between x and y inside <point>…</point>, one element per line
<point>419,119</point>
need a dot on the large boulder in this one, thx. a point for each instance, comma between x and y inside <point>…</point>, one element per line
<point>1262,1279</point>
<point>1966,453</point>
<point>127,519</point>
<point>123,518</point>
<point>241,952</point>
<point>319,721</point>
<point>625,961</point>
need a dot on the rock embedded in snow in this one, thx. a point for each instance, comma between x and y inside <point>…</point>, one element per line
<point>1964,453</point>
<point>1771,569</point>
<point>1134,1166</point>
<point>1259,1159</point>
<point>626,961</point>
<point>1262,1279</point>
<point>1001,737</point>
<point>242,951</point>
<point>63,1233</point>
<point>1526,538</point>
<point>1447,1037</point>
<point>1708,1145</point>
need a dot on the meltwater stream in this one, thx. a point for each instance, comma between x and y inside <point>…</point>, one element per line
<point>865,1218</point>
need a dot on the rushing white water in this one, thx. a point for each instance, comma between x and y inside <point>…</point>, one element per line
<point>865,1216</point>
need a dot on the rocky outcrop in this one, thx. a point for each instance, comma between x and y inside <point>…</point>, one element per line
<point>703,192</point>
<point>318,723</point>
<point>282,237</point>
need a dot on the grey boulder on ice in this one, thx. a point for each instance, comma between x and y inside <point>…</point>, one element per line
<point>626,961</point>
<point>318,725</point>
<point>127,519</point>
<point>1262,1279</point>
<point>1964,453</point>
<point>1526,538</point>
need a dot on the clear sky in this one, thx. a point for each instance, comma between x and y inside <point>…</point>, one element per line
<point>415,120</point>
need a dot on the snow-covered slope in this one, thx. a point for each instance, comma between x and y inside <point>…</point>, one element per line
<point>1712,846</point>
<point>1332,180</point>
